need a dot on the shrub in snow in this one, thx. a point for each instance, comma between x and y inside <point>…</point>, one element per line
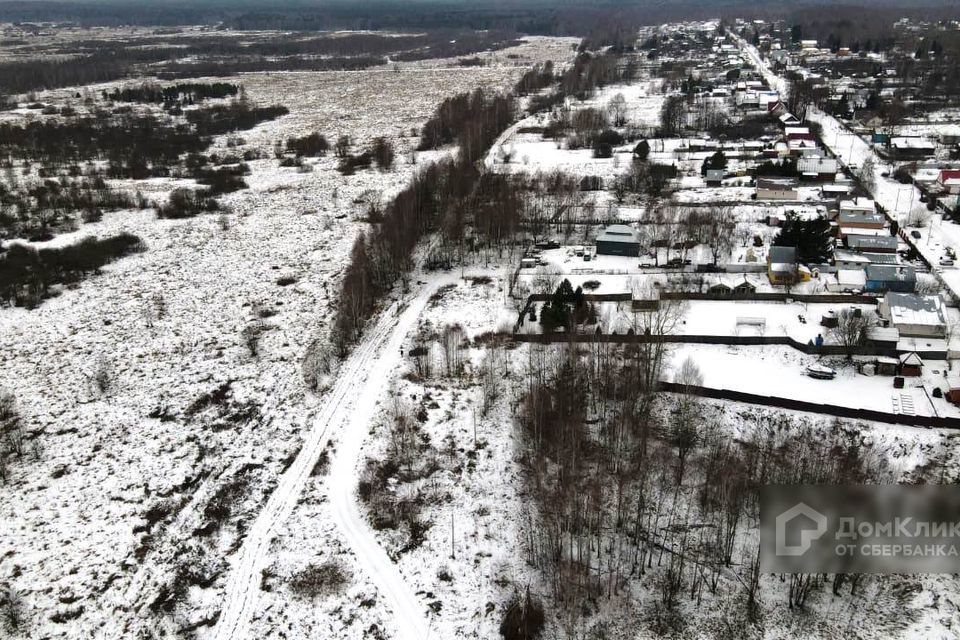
<point>318,580</point>
<point>11,611</point>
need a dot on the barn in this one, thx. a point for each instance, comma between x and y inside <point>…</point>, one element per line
<point>618,240</point>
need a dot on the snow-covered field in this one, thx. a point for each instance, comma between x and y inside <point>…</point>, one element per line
<point>779,372</point>
<point>119,479</point>
<point>181,480</point>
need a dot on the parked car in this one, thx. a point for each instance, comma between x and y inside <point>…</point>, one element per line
<point>946,262</point>
<point>915,234</point>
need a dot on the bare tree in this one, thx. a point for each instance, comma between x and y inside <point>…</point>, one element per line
<point>721,225</point>
<point>617,108</point>
<point>451,340</point>
<point>251,335</point>
<point>342,146</point>
<point>851,329</point>
<point>673,116</point>
<point>102,376</point>
<point>687,420</point>
<point>868,175</point>
<point>917,217</point>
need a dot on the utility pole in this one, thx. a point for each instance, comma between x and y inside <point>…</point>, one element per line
<point>453,550</point>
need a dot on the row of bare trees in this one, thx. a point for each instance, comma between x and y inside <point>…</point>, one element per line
<point>634,489</point>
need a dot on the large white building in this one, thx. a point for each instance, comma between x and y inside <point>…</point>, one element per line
<point>914,315</point>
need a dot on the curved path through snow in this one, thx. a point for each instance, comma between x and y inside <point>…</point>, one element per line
<point>348,407</point>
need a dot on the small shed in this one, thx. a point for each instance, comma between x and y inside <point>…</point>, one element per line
<point>714,177</point>
<point>911,365</point>
<point>886,366</point>
<point>953,389</point>
<point>886,337</point>
<point>720,288</point>
<point>745,288</point>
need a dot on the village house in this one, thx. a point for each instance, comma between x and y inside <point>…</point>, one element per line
<point>914,315</point>
<point>846,259</point>
<point>798,133</point>
<point>871,243</point>
<point>860,217</point>
<point>817,168</point>
<point>782,268</point>
<point>883,278</point>
<point>777,108</point>
<point>858,205</point>
<point>777,189</point>
<point>834,190</point>
<point>949,181</point>
<point>789,120</point>
<point>848,280</point>
<point>726,286</point>
<point>904,148</point>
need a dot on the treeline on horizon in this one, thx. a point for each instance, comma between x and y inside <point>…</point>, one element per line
<point>537,17</point>
<point>49,66</point>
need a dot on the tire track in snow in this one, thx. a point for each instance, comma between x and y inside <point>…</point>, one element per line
<point>360,380</point>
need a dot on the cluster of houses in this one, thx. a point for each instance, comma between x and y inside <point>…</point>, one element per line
<point>813,163</point>
<point>865,257</point>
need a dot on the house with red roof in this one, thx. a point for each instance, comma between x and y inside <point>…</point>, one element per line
<point>949,181</point>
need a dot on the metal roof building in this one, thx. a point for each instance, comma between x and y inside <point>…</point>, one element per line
<point>618,240</point>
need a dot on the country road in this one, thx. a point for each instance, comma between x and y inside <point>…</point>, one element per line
<point>346,413</point>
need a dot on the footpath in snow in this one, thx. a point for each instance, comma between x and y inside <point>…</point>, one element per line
<point>346,413</point>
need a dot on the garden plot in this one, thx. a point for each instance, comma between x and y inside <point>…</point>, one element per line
<point>644,97</point>
<point>780,372</point>
<point>531,152</point>
<point>797,320</point>
<point>734,194</point>
<point>165,329</point>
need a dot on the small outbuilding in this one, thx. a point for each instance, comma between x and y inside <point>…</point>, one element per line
<point>953,390</point>
<point>714,177</point>
<point>911,365</point>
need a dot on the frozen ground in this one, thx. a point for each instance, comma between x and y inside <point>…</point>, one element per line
<point>779,372</point>
<point>188,409</point>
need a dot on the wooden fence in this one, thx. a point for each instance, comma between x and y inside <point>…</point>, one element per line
<point>813,407</point>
